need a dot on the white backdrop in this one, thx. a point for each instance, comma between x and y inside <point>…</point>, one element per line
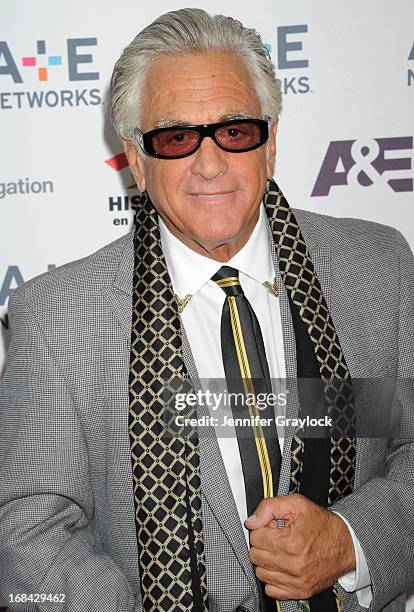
<point>345,138</point>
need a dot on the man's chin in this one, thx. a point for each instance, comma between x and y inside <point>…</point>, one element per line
<point>215,233</point>
<point>214,240</point>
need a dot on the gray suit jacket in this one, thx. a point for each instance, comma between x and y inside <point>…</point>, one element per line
<point>66,505</point>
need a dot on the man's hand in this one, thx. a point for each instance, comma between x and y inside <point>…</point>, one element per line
<point>306,556</point>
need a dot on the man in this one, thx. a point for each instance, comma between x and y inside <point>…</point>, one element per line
<point>223,281</point>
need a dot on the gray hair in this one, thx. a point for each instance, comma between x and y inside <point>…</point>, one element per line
<point>188,30</point>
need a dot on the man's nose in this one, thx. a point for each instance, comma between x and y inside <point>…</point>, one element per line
<point>209,161</point>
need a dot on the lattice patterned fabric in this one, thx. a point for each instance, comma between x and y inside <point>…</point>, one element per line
<point>296,463</point>
<point>301,281</point>
<point>305,291</point>
<point>165,462</point>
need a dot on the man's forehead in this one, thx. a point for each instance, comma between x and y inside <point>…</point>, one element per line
<point>197,89</point>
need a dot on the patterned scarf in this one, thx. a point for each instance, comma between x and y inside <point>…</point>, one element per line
<point>166,459</point>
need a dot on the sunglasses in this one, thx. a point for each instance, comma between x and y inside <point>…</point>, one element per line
<point>234,136</point>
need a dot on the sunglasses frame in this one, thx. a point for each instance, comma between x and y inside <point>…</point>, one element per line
<point>207,129</point>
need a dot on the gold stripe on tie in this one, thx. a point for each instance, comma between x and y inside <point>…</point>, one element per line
<point>244,366</point>
<point>230,281</point>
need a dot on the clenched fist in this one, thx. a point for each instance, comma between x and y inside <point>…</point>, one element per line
<point>307,555</point>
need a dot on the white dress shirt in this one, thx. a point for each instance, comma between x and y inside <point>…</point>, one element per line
<point>191,275</point>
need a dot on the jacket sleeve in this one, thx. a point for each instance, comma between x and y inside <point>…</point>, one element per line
<point>47,543</point>
<point>381,510</point>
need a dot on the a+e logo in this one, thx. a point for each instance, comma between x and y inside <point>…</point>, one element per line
<point>42,62</point>
<point>365,163</point>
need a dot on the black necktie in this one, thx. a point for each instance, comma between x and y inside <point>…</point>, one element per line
<point>247,372</point>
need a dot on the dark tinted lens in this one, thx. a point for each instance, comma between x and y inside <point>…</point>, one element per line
<point>174,142</point>
<point>241,135</point>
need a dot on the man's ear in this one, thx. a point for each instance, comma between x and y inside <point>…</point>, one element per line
<point>136,164</point>
<point>271,151</point>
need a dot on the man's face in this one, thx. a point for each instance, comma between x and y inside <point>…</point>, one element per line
<point>210,200</point>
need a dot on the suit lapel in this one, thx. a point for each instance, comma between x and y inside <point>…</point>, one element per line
<point>119,293</point>
<point>213,471</point>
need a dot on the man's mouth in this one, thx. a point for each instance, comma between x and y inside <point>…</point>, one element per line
<point>211,197</point>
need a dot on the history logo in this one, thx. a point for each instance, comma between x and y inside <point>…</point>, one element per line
<point>121,203</point>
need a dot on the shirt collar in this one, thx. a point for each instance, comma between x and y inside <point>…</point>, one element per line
<point>189,270</point>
